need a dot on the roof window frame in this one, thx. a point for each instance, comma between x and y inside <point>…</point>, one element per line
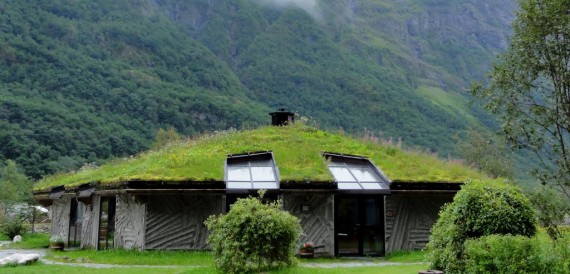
<point>250,158</point>
<point>367,187</point>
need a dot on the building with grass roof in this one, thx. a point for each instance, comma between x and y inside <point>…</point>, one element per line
<point>353,197</point>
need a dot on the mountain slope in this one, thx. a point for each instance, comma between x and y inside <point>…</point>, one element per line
<point>83,81</point>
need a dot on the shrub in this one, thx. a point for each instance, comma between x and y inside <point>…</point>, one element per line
<point>253,236</point>
<point>479,209</point>
<point>515,254</point>
<point>12,227</point>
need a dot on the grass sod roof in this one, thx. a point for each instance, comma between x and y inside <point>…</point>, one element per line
<point>297,151</point>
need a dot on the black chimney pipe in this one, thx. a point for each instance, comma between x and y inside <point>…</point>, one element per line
<point>282,117</point>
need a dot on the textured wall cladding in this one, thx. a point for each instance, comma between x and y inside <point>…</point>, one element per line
<point>318,222</point>
<point>129,226</point>
<point>409,218</point>
<point>177,221</point>
<point>60,210</point>
<point>90,226</point>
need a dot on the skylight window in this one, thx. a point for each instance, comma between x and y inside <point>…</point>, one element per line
<point>356,174</point>
<point>251,171</point>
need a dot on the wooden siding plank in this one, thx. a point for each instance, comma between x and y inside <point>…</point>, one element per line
<point>318,222</point>
<point>177,221</point>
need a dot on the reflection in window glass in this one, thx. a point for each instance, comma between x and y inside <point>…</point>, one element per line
<point>341,174</point>
<point>262,174</point>
<point>257,171</point>
<point>363,173</point>
<point>239,173</point>
<point>352,173</point>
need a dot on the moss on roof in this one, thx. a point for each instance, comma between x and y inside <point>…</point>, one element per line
<point>297,150</point>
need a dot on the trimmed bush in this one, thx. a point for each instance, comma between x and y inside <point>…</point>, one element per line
<point>479,209</point>
<point>253,237</point>
<point>515,254</point>
<point>12,227</point>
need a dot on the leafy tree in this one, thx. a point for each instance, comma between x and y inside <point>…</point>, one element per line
<point>484,151</point>
<point>529,88</point>
<point>551,210</point>
<point>164,137</point>
<point>15,186</point>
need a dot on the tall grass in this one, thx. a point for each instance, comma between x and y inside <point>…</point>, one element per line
<point>297,150</point>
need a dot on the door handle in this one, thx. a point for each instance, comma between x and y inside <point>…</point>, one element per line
<point>342,234</point>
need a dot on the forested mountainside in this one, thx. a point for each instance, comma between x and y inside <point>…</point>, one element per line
<point>87,80</point>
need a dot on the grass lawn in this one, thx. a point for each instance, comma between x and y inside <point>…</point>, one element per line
<point>58,269</point>
<point>188,261</point>
<point>31,241</point>
<point>194,258</point>
<point>127,257</point>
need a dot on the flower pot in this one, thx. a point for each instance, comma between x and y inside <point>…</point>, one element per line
<point>306,254</point>
<point>56,246</point>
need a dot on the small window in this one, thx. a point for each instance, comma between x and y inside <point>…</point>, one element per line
<point>354,173</point>
<point>251,171</point>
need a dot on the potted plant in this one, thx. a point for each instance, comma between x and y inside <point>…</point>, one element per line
<point>56,243</point>
<point>307,250</point>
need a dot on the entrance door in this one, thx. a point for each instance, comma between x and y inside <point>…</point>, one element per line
<point>75,223</point>
<point>359,225</point>
<point>107,223</point>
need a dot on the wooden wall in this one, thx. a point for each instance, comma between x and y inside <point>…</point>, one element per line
<point>318,222</point>
<point>60,211</point>
<point>90,226</point>
<point>129,224</point>
<point>409,218</point>
<point>177,221</point>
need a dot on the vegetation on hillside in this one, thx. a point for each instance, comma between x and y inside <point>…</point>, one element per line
<point>84,81</point>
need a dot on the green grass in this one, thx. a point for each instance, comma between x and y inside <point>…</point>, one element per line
<point>41,268</point>
<point>31,241</point>
<point>396,269</point>
<point>297,150</point>
<point>454,103</point>
<point>4,237</point>
<point>122,257</point>
<point>406,256</point>
<point>197,258</point>
<point>199,262</point>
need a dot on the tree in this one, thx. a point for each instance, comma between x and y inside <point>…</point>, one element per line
<point>165,137</point>
<point>529,89</point>
<point>484,151</point>
<point>14,185</point>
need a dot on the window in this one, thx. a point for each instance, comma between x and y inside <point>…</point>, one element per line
<point>251,171</point>
<point>354,173</point>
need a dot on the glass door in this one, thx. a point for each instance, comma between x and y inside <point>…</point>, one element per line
<point>359,225</point>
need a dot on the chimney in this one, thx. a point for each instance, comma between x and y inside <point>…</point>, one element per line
<point>282,117</point>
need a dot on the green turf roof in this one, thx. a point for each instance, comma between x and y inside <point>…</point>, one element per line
<point>297,150</point>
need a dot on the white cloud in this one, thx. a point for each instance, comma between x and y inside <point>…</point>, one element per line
<point>309,6</point>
